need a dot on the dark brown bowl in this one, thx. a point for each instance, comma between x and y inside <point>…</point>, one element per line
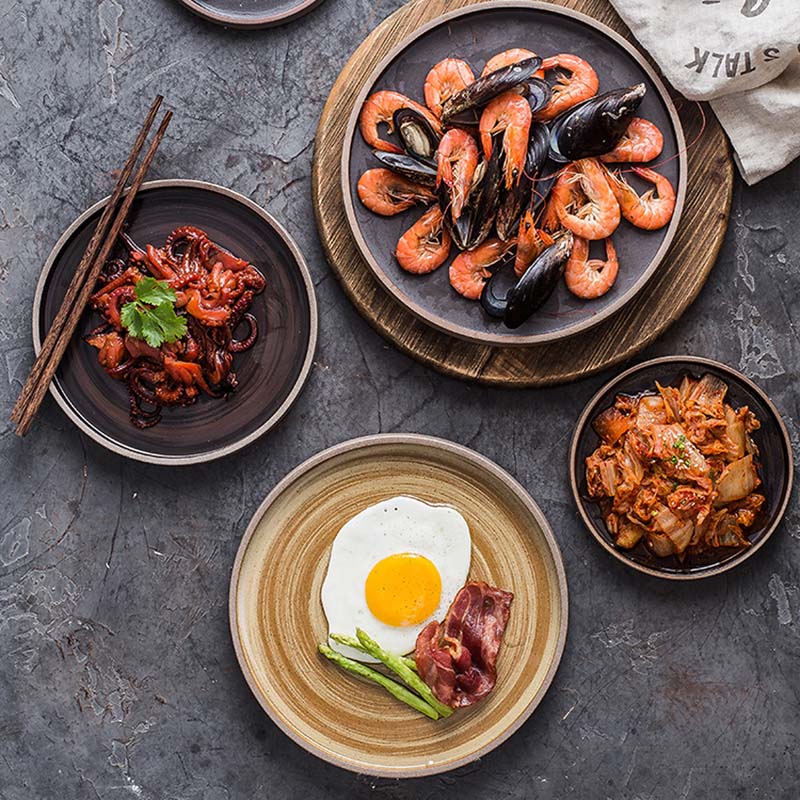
<point>476,33</point>
<point>775,468</point>
<point>271,373</point>
<point>250,13</point>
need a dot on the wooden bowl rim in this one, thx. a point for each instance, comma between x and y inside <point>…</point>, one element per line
<point>392,439</point>
<point>250,21</point>
<point>441,323</point>
<point>210,455</point>
<point>591,409</point>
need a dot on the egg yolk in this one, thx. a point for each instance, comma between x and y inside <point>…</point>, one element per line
<point>403,589</point>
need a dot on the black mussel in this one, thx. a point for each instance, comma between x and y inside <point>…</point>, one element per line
<point>485,198</point>
<point>532,290</point>
<point>539,94</point>
<point>513,200</point>
<point>417,169</point>
<point>485,88</point>
<point>538,282</point>
<point>544,182</point>
<point>502,281</point>
<point>418,136</point>
<point>595,126</point>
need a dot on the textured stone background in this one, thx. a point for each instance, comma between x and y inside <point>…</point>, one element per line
<point>117,677</point>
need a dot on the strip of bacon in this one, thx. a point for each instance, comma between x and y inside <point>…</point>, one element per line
<point>457,658</point>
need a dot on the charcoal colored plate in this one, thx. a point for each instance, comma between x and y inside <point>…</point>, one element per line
<point>271,373</point>
<point>277,619</point>
<point>250,13</point>
<point>475,34</point>
<point>775,462</point>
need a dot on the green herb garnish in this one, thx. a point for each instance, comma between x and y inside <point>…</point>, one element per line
<point>151,316</point>
<point>674,460</point>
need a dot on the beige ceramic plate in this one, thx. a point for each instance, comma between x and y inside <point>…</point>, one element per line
<point>277,618</point>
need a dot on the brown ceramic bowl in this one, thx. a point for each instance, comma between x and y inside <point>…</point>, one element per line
<point>271,373</point>
<point>277,619</point>
<point>775,462</point>
<point>475,34</point>
<point>250,13</point>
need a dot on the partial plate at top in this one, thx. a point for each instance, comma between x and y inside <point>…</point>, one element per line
<point>475,34</point>
<point>250,13</point>
<point>271,373</point>
<point>277,618</point>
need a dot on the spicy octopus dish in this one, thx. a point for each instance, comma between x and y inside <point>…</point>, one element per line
<point>521,169</point>
<point>169,317</point>
<point>676,471</point>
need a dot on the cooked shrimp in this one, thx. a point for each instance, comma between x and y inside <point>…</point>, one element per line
<point>386,193</point>
<point>590,209</point>
<point>508,57</point>
<point>589,278</point>
<point>445,79</point>
<point>470,269</point>
<point>642,141</point>
<point>425,245</point>
<point>457,158</point>
<point>560,194</point>
<point>568,90</point>
<point>651,210</point>
<point>511,114</point>
<point>380,107</point>
<point>531,241</point>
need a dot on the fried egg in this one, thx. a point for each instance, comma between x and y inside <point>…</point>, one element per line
<point>393,568</point>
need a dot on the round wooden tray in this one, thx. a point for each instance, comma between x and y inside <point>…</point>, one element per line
<point>674,286</point>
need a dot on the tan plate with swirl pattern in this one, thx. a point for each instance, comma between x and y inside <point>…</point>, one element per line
<point>277,618</point>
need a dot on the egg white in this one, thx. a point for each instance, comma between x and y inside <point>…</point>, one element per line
<point>398,525</point>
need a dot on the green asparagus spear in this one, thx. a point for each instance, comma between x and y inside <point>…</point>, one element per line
<point>394,688</point>
<point>351,641</point>
<point>409,677</point>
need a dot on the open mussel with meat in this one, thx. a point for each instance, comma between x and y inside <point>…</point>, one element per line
<point>416,132</point>
<point>487,87</point>
<point>532,290</point>
<point>594,127</point>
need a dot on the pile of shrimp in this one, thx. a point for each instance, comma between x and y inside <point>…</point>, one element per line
<point>589,197</point>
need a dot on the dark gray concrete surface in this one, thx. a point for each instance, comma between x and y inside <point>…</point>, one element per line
<point>117,676</point>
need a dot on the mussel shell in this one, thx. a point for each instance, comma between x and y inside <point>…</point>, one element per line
<point>539,94</point>
<point>485,198</point>
<point>595,126</point>
<point>513,200</point>
<point>538,282</point>
<point>418,136</point>
<point>485,88</point>
<point>545,180</point>
<point>494,305</point>
<point>417,169</point>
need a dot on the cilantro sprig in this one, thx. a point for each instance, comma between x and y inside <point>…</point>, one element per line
<point>151,316</point>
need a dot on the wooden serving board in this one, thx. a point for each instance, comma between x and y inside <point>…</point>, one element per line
<point>673,287</point>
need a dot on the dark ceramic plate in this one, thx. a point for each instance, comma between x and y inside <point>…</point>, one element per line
<point>271,373</point>
<point>774,468</point>
<point>475,34</point>
<point>250,13</point>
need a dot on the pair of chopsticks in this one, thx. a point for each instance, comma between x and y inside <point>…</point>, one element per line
<point>86,274</point>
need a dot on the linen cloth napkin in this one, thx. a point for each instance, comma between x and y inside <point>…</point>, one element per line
<point>741,55</point>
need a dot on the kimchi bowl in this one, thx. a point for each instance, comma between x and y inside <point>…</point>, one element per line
<point>772,458</point>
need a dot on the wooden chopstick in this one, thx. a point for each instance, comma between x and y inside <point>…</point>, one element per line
<point>73,312</point>
<point>88,257</point>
